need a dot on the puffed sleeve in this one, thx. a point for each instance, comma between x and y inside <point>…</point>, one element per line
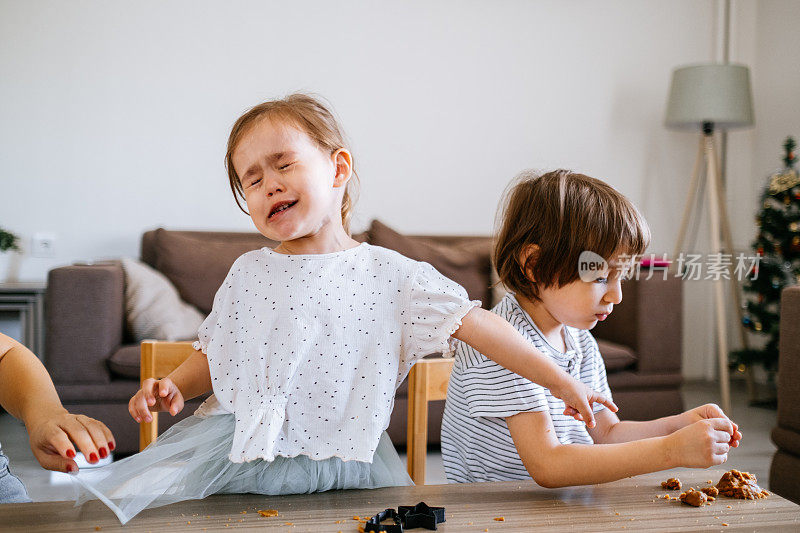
<point>212,322</point>
<point>435,308</point>
<point>491,390</point>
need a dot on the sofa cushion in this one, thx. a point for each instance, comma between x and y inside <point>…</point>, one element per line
<point>197,262</point>
<point>616,356</point>
<point>125,362</point>
<point>153,308</point>
<point>786,440</point>
<point>466,262</point>
<point>116,391</point>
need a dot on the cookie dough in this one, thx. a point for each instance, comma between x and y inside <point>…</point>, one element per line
<point>693,497</point>
<point>735,484</point>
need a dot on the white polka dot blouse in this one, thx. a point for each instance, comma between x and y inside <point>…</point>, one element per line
<point>307,350</point>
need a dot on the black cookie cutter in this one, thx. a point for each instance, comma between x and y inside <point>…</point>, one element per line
<point>421,515</point>
<point>374,523</point>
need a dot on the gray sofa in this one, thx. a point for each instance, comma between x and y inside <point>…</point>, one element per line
<point>95,365</point>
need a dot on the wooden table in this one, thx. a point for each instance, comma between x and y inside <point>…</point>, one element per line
<point>629,505</point>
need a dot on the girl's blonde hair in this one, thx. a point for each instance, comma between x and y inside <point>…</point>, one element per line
<point>311,116</point>
<point>564,214</point>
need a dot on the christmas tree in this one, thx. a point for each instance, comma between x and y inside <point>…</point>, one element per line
<point>778,245</point>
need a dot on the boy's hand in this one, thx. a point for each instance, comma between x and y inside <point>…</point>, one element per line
<point>579,398</point>
<point>701,444</point>
<point>708,411</point>
<point>51,438</point>
<point>155,396</point>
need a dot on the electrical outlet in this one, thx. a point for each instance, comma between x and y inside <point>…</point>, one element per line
<point>43,245</point>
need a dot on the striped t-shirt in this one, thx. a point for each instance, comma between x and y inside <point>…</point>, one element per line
<point>476,443</point>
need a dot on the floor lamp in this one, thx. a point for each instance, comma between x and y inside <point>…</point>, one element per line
<point>705,98</point>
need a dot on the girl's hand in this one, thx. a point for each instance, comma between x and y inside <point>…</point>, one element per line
<point>701,444</point>
<point>579,399</point>
<point>51,438</point>
<point>708,411</point>
<point>154,396</point>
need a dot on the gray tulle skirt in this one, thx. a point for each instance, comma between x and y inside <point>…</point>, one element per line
<point>190,461</point>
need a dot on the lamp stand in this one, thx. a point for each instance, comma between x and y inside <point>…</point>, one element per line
<point>718,219</point>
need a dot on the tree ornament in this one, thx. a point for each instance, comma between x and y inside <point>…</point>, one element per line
<point>783,181</point>
<point>788,146</point>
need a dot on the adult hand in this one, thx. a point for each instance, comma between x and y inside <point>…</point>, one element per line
<point>52,437</point>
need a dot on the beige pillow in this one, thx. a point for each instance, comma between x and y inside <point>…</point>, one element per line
<point>153,308</point>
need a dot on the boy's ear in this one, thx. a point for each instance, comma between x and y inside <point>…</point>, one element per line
<point>529,252</point>
<point>343,166</point>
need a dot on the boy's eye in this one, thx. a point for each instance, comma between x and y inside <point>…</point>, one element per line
<point>284,167</point>
<point>601,280</point>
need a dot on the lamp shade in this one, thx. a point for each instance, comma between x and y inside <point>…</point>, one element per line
<point>716,93</point>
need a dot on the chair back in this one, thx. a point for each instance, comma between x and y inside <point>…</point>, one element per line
<point>159,358</point>
<point>427,382</point>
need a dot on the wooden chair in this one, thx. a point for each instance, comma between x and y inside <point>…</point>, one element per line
<point>159,358</point>
<point>427,382</point>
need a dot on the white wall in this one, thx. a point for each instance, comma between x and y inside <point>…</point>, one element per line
<point>776,85</point>
<point>114,115</point>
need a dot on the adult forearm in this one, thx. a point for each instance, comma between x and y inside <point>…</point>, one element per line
<point>192,377</point>
<point>26,390</point>
<point>498,340</point>
<point>578,464</point>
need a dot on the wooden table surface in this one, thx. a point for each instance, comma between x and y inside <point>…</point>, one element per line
<point>628,505</point>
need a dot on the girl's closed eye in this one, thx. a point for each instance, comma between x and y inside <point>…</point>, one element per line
<point>287,165</point>
<point>253,183</point>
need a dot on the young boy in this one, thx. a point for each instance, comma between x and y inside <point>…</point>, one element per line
<point>500,426</point>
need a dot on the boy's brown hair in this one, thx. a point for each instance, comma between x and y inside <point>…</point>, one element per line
<point>564,214</point>
<point>311,116</point>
